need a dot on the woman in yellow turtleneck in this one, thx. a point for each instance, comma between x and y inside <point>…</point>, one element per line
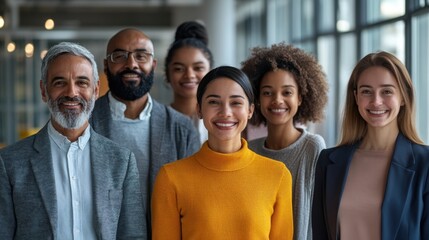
<point>224,191</point>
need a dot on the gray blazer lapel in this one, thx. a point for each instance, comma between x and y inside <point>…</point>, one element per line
<point>41,163</point>
<point>101,118</point>
<point>336,174</point>
<point>157,123</point>
<point>99,169</point>
<point>399,180</point>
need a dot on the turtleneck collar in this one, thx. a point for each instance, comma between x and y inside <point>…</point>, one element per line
<point>225,161</point>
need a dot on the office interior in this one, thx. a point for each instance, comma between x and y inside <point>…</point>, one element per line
<point>337,32</point>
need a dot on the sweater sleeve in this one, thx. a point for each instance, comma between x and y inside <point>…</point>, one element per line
<point>282,218</point>
<point>165,214</point>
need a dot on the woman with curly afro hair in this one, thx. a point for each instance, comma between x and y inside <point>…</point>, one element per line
<point>290,90</point>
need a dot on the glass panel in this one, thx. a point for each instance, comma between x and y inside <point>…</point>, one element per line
<point>326,57</point>
<point>420,72</point>
<point>389,38</point>
<point>347,62</point>
<point>277,19</point>
<point>326,16</point>
<point>282,26</point>
<point>383,9</point>
<point>346,15</point>
<point>307,17</point>
<point>296,25</point>
<point>307,46</point>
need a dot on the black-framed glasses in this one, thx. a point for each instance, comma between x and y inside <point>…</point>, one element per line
<point>122,56</point>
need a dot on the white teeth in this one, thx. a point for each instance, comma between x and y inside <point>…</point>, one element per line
<point>225,124</point>
<point>130,75</point>
<point>71,104</point>
<point>378,112</point>
<point>277,110</point>
<point>189,84</point>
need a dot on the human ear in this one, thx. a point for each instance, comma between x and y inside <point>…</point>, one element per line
<point>43,91</point>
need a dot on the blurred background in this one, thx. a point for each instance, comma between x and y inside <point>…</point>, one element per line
<point>337,32</point>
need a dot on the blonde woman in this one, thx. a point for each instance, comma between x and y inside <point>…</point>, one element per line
<point>374,184</point>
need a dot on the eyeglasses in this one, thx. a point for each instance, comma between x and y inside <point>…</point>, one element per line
<point>122,56</point>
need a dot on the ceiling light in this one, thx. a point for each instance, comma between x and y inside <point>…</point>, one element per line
<point>29,50</point>
<point>49,24</point>
<point>11,47</point>
<point>1,22</point>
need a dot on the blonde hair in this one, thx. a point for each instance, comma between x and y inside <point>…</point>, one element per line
<point>354,126</point>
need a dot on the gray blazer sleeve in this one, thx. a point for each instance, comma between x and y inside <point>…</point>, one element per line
<point>7,216</point>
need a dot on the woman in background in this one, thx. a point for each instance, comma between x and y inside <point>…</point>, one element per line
<point>374,184</point>
<point>224,191</point>
<point>290,90</point>
<point>188,60</point>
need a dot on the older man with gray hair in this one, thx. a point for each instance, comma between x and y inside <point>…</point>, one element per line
<point>66,181</point>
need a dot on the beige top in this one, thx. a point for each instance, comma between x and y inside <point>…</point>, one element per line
<point>359,215</point>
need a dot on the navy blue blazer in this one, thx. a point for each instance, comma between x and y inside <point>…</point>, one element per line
<point>405,207</point>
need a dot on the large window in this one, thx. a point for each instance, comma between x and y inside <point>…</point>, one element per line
<point>420,71</point>
<point>340,32</point>
<point>389,37</point>
<point>377,10</point>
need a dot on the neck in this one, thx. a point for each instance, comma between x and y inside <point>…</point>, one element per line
<point>379,139</point>
<point>71,134</point>
<point>227,146</point>
<point>281,136</point>
<point>134,107</point>
<point>187,106</point>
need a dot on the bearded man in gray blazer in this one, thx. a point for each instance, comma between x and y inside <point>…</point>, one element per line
<point>128,115</point>
<point>66,181</point>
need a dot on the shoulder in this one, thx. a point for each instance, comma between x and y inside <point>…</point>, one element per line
<point>337,152</point>
<point>171,116</point>
<point>106,146</point>
<point>421,154</point>
<point>102,101</point>
<point>270,165</point>
<point>169,112</point>
<point>420,148</point>
<point>180,169</point>
<point>405,148</point>
<point>314,140</point>
<point>257,143</point>
<point>19,148</point>
<point>101,111</point>
<point>179,164</point>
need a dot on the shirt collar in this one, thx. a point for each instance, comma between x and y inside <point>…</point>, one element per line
<point>117,108</point>
<point>63,143</point>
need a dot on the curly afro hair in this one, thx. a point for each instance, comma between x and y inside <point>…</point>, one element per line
<point>308,74</point>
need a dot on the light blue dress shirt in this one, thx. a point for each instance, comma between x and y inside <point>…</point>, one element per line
<point>73,185</point>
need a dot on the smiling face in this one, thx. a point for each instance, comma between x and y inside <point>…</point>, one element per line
<point>378,98</point>
<point>70,91</point>
<point>130,80</point>
<point>185,71</point>
<point>279,97</point>
<point>225,110</point>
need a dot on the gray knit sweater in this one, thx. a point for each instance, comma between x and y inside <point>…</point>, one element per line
<point>300,158</point>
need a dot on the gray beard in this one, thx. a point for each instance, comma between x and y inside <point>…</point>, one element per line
<point>71,119</point>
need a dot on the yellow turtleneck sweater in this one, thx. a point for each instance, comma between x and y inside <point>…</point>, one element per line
<point>211,195</point>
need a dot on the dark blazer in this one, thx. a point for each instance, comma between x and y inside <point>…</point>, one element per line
<point>172,137</point>
<point>28,208</point>
<point>405,207</point>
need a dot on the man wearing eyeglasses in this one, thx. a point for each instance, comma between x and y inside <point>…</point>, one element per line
<point>128,114</point>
